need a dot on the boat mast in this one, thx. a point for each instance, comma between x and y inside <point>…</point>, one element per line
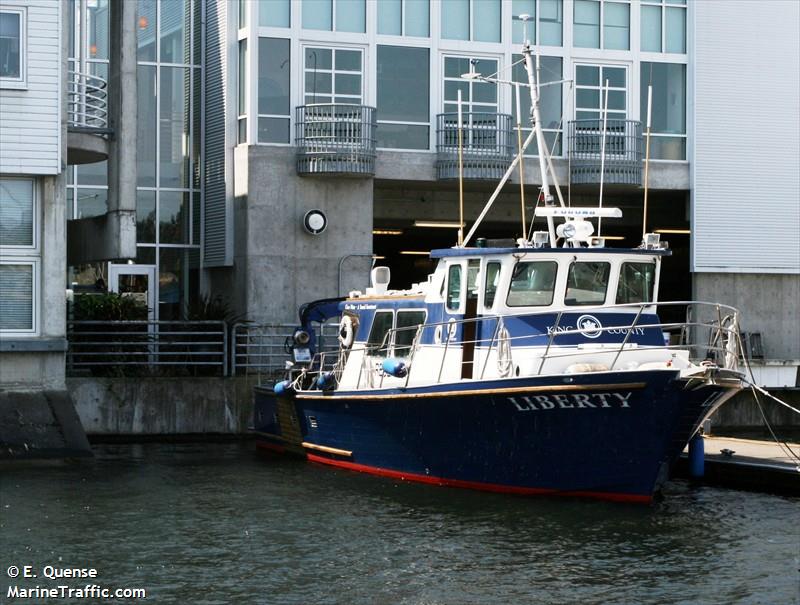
<point>533,83</point>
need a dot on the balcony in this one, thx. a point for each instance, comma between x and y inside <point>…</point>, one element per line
<point>487,145</point>
<point>335,139</point>
<point>87,118</point>
<point>623,156</point>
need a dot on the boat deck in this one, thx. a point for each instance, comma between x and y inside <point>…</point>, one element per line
<point>749,464</point>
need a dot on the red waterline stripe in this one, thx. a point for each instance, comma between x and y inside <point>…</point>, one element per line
<point>273,447</point>
<point>487,487</point>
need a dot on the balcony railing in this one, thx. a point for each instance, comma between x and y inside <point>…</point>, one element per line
<point>87,103</point>
<point>623,156</point>
<point>335,138</point>
<point>487,145</point>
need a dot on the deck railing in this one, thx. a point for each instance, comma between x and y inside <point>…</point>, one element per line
<point>335,138</point>
<point>623,156</point>
<point>487,145</point>
<point>262,348</point>
<point>87,103</point>
<point>709,332</point>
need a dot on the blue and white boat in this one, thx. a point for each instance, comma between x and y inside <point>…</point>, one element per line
<point>545,366</point>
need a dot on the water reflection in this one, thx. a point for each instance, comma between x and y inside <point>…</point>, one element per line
<point>219,524</point>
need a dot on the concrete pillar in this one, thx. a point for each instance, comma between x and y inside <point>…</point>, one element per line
<point>120,232</point>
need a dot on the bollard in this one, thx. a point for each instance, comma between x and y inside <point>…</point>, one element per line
<point>697,456</point>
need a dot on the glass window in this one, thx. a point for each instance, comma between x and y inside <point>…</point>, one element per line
<point>523,7</point>
<point>551,20</point>
<point>16,213</point>
<point>333,76</point>
<point>491,283</point>
<point>636,283</point>
<point>455,19</point>
<point>587,283</point>
<point>175,25</point>
<point>91,202</point>
<point>407,324</point>
<point>377,342</point>
<point>97,15</point>
<point>146,30</point>
<point>146,216</point>
<point>274,13</point>
<point>390,17</point>
<point>17,296</point>
<point>318,14</point>
<point>146,124</point>
<point>675,35</point>
<point>174,127</point>
<point>273,90</point>
<point>416,17</point>
<point>587,24</point>
<point>532,284</point>
<point>403,97</point>
<point>173,217</point>
<point>651,28</point>
<point>11,45</point>
<point>473,272</point>
<point>669,108</point>
<point>486,20</point>
<point>454,288</point>
<point>242,92</point>
<point>351,16</point>
<point>173,284</point>
<point>616,25</point>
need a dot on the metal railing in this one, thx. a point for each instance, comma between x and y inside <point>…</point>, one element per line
<point>87,103</point>
<point>623,151</point>
<point>262,348</point>
<point>119,348</point>
<point>335,138</point>
<point>710,335</point>
<point>487,145</point>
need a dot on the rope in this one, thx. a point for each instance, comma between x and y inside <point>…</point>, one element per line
<point>782,444</point>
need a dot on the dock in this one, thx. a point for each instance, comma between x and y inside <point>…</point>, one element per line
<point>750,464</point>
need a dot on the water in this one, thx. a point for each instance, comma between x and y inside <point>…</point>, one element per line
<point>218,523</point>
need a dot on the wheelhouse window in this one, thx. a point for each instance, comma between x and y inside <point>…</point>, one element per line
<point>636,283</point>
<point>532,284</point>
<point>454,288</point>
<point>492,281</point>
<point>407,324</point>
<point>377,342</point>
<point>587,283</point>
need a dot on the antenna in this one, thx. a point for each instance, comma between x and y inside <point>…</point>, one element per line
<point>460,174</point>
<point>647,158</point>
<point>521,171</point>
<point>603,157</point>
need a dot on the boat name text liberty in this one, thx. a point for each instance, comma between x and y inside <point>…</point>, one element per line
<point>532,403</point>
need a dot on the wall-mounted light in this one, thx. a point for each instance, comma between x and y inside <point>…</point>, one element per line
<point>415,252</point>
<point>387,232</point>
<point>438,224</point>
<point>315,222</point>
<point>674,231</point>
<point>143,23</point>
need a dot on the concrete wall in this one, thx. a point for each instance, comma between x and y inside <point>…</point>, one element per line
<point>769,304</point>
<point>277,264</point>
<point>742,412</point>
<point>163,406</point>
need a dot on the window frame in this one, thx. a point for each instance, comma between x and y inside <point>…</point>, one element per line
<point>652,291</point>
<point>27,255</point>
<point>462,270</point>
<point>403,24</point>
<point>408,328</point>
<point>552,290</point>
<point>610,276</point>
<point>427,124</point>
<point>22,81</point>
<point>363,51</point>
<point>471,33</point>
<point>663,6</point>
<point>334,21</point>
<point>260,115</point>
<point>601,25</point>
<point>536,39</point>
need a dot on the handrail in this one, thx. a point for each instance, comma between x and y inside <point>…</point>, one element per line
<point>721,349</point>
<point>87,102</point>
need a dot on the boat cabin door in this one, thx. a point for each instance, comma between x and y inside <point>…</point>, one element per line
<point>469,332</point>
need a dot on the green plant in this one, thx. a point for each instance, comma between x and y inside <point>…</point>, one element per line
<point>207,308</point>
<point>108,307</point>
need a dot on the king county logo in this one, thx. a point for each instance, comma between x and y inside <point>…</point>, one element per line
<point>589,326</point>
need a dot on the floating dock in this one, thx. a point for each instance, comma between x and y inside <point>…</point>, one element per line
<point>748,464</point>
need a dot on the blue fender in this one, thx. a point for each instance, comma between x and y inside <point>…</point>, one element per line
<point>395,367</point>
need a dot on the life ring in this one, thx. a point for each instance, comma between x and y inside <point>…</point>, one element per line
<point>347,332</point>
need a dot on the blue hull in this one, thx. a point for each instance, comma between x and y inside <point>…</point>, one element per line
<point>604,435</point>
